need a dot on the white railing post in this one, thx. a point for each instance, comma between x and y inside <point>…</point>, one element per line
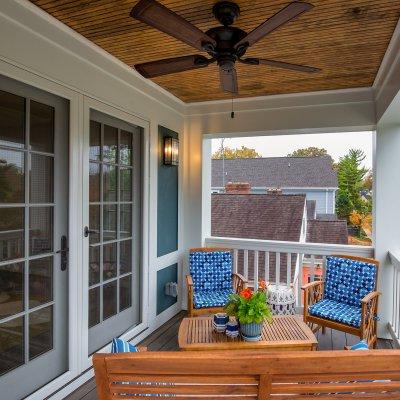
<point>246,264</point>
<point>266,266</point>
<point>235,261</point>
<point>255,269</point>
<point>289,269</point>
<point>277,269</point>
<point>394,323</point>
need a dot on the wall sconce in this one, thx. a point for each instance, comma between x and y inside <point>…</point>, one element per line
<point>171,151</point>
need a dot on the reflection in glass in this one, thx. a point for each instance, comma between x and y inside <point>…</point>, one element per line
<point>94,223</point>
<point>42,127</point>
<point>109,183</point>
<point>11,233</point>
<point>94,265</point>
<point>11,344</point>
<point>125,256</point>
<point>40,281</point>
<point>94,182</point>
<point>11,176</point>
<point>125,292</point>
<point>40,332</point>
<point>40,230</point>
<point>12,120</point>
<point>125,148</point>
<point>11,289</point>
<point>109,299</point>
<point>41,179</point>
<point>110,144</point>
<point>94,306</point>
<point>126,184</point>
<point>126,220</point>
<point>95,141</point>
<point>109,222</point>
<point>109,261</point>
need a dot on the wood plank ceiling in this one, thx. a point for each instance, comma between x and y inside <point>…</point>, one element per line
<point>347,39</point>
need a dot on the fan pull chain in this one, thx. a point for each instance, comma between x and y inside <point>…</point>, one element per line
<point>232,112</point>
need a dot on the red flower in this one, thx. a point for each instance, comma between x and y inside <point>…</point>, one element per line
<point>246,293</point>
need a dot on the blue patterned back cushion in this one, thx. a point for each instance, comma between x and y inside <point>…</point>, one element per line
<point>211,270</point>
<point>348,281</point>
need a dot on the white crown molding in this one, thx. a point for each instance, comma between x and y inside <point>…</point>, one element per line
<point>32,18</point>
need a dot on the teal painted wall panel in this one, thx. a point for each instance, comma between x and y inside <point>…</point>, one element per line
<point>168,274</point>
<point>167,204</point>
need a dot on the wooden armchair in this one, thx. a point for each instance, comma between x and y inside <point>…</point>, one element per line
<point>345,302</point>
<point>211,280</point>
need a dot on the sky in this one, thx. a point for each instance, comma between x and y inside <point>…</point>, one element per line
<point>337,144</point>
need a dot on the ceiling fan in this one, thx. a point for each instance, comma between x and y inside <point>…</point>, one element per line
<point>225,44</point>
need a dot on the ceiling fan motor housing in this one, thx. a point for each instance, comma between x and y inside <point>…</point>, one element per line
<point>226,12</point>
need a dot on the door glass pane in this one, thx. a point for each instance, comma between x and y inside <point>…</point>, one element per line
<point>12,176</point>
<point>40,281</point>
<point>94,264</point>
<point>110,144</point>
<point>42,127</point>
<point>109,299</point>
<point>126,220</point>
<point>12,120</point>
<point>95,141</point>
<point>125,256</point>
<point>94,223</point>
<point>110,183</point>
<point>110,222</point>
<point>41,179</point>
<point>125,292</point>
<point>11,233</point>
<point>40,332</point>
<point>94,306</point>
<point>125,148</point>
<point>40,230</point>
<point>11,344</point>
<point>94,182</point>
<point>11,289</point>
<point>109,261</point>
<point>126,184</point>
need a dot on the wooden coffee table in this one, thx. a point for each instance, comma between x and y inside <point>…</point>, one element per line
<point>287,332</point>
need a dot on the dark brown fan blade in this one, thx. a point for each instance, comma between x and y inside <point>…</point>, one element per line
<point>285,15</point>
<point>160,17</point>
<point>228,80</point>
<point>171,65</point>
<point>295,67</point>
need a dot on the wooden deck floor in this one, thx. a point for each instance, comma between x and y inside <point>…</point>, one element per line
<point>166,339</point>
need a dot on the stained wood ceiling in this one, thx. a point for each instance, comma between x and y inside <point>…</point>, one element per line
<point>347,39</point>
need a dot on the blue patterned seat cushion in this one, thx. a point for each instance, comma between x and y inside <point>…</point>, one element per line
<point>348,281</point>
<point>336,311</point>
<point>211,298</point>
<point>211,270</point>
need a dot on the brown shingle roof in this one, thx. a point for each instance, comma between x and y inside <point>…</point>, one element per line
<point>334,232</point>
<point>257,216</point>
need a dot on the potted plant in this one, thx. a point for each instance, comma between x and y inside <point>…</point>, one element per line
<point>251,310</point>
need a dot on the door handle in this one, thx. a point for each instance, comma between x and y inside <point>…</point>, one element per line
<point>88,231</point>
<point>64,253</point>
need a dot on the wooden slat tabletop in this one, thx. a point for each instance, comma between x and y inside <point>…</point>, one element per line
<point>287,332</point>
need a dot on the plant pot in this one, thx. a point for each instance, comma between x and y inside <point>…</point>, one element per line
<point>251,332</point>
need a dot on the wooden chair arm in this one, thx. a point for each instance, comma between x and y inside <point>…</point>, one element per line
<point>239,282</point>
<point>189,280</point>
<point>310,285</point>
<point>240,277</point>
<point>367,298</point>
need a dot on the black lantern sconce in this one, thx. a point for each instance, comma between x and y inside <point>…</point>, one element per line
<point>171,151</point>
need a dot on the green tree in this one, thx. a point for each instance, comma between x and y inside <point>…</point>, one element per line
<point>312,152</point>
<point>351,175</point>
<point>243,152</point>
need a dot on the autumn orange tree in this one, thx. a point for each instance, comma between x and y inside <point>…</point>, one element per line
<point>242,152</point>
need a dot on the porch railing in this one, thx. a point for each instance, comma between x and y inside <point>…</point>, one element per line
<point>394,322</point>
<point>287,263</point>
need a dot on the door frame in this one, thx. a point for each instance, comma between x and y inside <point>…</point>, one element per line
<point>89,105</point>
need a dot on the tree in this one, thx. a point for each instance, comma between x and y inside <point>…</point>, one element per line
<point>243,152</point>
<point>368,181</point>
<point>312,152</point>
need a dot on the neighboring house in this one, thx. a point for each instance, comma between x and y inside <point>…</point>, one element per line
<point>312,176</point>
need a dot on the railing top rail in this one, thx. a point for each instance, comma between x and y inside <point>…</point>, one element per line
<point>290,247</point>
<point>395,258</point>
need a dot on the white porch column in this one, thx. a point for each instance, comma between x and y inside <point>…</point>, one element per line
<point>387,211</point>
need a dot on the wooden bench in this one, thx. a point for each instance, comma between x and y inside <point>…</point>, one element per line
<point>246,375</point>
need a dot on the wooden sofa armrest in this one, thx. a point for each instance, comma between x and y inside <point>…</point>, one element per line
<point>313,293</point>
<point>189,280</point>
<point>369,310</point>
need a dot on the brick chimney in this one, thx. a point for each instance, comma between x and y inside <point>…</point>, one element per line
<point>238,188</point>
<point>274,191</point>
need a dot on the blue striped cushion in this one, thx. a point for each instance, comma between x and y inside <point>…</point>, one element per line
<point>121,346</point>
<point>360,346</point>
